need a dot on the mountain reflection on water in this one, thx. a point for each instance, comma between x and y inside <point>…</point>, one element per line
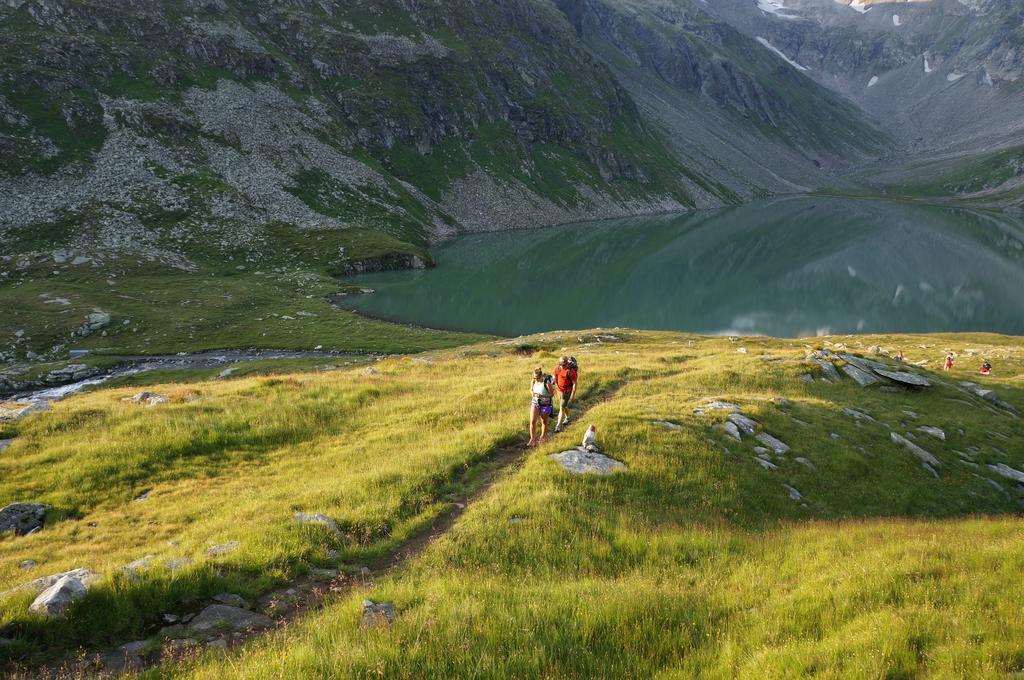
<point>793,266</point>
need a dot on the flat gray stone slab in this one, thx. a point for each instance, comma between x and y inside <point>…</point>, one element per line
<point>776,445</point>
<point>1008,472</point>
<point>863,378</point>
<point>903,377</point>
<point>933,431</point>
<point>746,425</point>
<point>925,457</point>
<point>582,462</point>
<point>731,430</point>
<point>829,370</point>
<point>222,617</point>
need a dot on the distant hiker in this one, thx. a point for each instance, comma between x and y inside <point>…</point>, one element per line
<point>566,378</point>
<point>949,362</point>
<point>986,368</point>
<point>899,356</point>
<point>542,391</point>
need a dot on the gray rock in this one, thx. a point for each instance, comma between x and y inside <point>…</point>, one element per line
<point>147,398</point>
<point>667,424</point>
<point>916,450</point>
<point>15,414</point>
<point>128,657</point>
<point>79,353</point>
<point>863,378</point>
<point>22,518</point>
<point>27,564</point>
<point>794,495</point>
<point>55,600</point>
<point>910,414</point>
<point>97,320</point>
<point>760,450</point>
<point>806,463</point>
<point>222,548</point>
<point>1007,471</point>
<point>807,377</point>
<point>715,405</point>
<point>222,617</point>
<point>904,378</point>
<point>580,462</point>
<point>378,614</point>
<point>979,391</point>
<point>829,369</point>
<point>776,445</point>
<point>5,444</point>
<point>866,365</point>
<point>933,431</point>
<point>766,464</point>
<point>930,469</point>
<point>731,430</point>
<point>858,415</point>
<point>834,436</point>
<point>232,600</point>
<point>322,520</point>
<point>42,583</point>
<point>219,644</point>
<point>746,425</point>
<point>177,563</point>
<point>132,569</point>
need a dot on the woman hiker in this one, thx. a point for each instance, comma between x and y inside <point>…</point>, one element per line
<point>566,377</point>
<point>542,390</point>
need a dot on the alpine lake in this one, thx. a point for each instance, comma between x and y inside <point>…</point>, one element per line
<point>787,267</point>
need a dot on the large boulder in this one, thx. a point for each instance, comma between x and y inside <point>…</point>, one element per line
<point>581,462</point>
<point>746,425</point>
<point>863,378</point>
<point>55,600</point>
<point>42,583</point>
<point>1006,471</point>
<point>222,617</point>
<point>22,518</point>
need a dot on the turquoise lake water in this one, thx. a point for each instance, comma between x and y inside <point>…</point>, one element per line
<point>793,266</point>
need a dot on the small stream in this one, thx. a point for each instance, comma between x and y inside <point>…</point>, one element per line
<point>133,365</point>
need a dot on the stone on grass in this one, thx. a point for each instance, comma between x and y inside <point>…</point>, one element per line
<point>731,430</point>
<point>933,431</point>
<point>715,405</point>
<point>745,424</point>
<point>581,461</point>
<point>19,412</point>
<point>761,451</point>
<point>863,378</point>
<point>916,450</point>
<point>378,614</point>
<point>222,617</point>
<point>43,582</point>
<point>22,518</point>
<point>222,548</point>
<point>55,600</point>
<point>904,378</point>
<point>794,495</point>
<point>910,414</point>
<point>321,519</point>
<point>829,369</point>
<point>667,424</point>
<point>5,444</point>
<point>147,398</point>
<point>177,563</point>
<point>1007,471</point>
<point>806,463</point>
<point>776,445</point>
<point>766,464</point>
<point>858,415</point>
<point>232,600</point>
<point>27,564</point>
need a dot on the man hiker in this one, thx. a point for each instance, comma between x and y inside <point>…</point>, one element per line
<point>566,378</point>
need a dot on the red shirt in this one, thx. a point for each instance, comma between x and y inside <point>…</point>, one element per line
<point>565,378</point>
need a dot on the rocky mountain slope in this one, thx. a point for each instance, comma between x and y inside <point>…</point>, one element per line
<point>944,78</point>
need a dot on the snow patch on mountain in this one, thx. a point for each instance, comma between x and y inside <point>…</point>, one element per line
<point>777,51</point>
<point>774,7</point>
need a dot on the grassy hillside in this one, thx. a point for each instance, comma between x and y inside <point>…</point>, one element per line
<point>695,560</point>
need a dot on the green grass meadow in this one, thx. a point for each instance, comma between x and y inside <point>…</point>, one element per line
<point>694,562</point>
